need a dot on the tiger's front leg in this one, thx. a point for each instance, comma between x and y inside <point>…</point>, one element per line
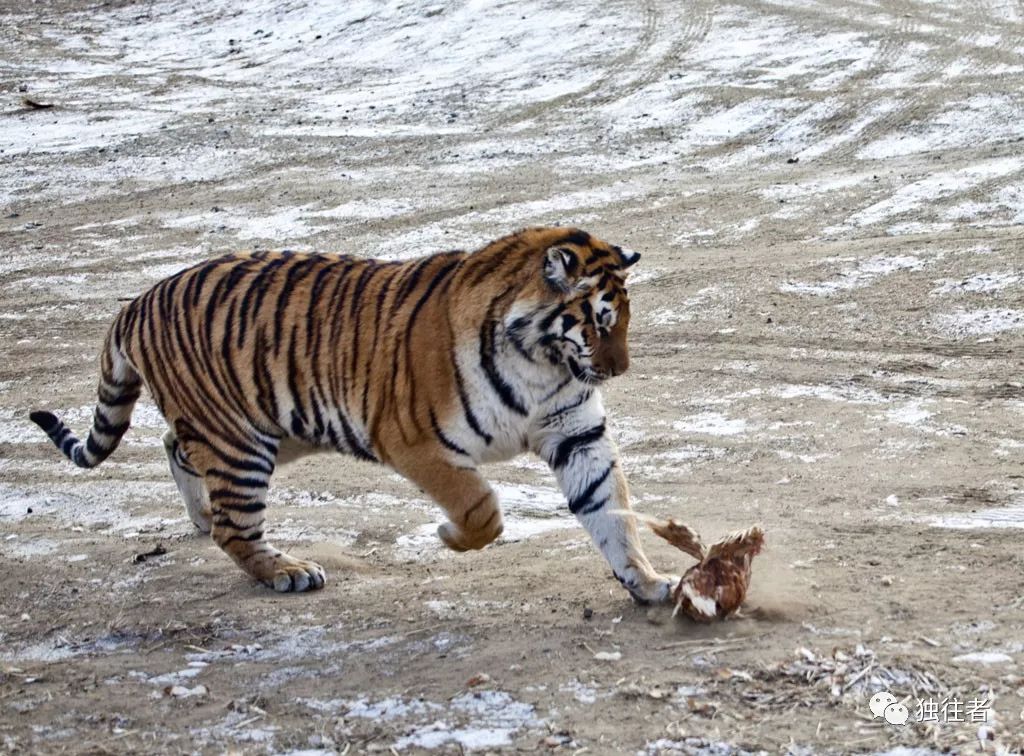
<point>575,443</point>
<point>474,517</point>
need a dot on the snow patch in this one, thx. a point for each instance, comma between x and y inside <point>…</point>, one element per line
<point>997,518</point>
<point>712,424</point>
<point>857,276</point>
<point>984,657</point>
<point>979,283</point>
<point>964,323</point>
<point>911,413</point>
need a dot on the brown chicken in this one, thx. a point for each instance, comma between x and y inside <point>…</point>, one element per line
<point>715,587</point>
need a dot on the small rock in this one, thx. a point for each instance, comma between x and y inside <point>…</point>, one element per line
<point>887,580</point>
<point>793,160</point>
<point>608,655</point>
<point>558,739</point>
<point>180,691</point>
<point>588,613</point>
<point>480,678</point>
<point>320,741</point>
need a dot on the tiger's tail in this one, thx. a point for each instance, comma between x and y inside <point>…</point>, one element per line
<point>119,388</point>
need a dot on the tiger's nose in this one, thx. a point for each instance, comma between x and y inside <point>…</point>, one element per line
<point>619,364</point>
<point>615,362</point>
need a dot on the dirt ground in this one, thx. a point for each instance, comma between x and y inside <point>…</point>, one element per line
<point>827,332</point>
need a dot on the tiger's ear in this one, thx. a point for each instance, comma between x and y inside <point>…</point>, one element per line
<point>629,257</point>
<point>560,268</point>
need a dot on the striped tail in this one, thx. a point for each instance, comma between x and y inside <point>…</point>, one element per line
<point>119,388</point>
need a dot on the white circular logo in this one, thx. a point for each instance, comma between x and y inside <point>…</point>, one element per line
<point>879,701</point>
<point>896,714</point>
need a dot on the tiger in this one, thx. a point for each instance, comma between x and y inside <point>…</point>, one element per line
<point>430,366</point>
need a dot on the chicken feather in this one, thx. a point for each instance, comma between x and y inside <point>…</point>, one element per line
<point>717,585</point>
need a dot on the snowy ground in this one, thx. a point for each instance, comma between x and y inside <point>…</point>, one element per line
<point>827,329</point>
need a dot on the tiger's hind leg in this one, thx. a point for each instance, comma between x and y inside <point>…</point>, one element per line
<point>237,485</point>
<point>190,484</point>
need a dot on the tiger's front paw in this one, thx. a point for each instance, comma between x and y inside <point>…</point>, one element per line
<point>655,589</point>
<point>457,539</point>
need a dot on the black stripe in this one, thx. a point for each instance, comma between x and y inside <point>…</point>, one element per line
<point>568,446</point>
<point>251,507</point>
<point>250,464</point>
<point>227,363</point>
<point>356,312</point>
<point>445,441</point>
<point>295,274</point>
<point>183,463</point>
<point>498,383</point>
<point>332,435</point>
<point>579,505</point>
<point>314,296</point>
<point>293,373</point>
<point>263,379</point>
<point>517,342</point>
<point>220,495</point>
<point>479,503</point>
<point>557,310</point>
<point>94,448</point>
<point>254,294</point>
<point>381,297</point>
<point>112,430</point>
<point>283,295</point>
<point>588,310</point>
<point>237,480</point>
<point>467,410</point>
<point>577,237</point>
<point>120,400</point>
<point>555,391</point>
<point>410,282</point>
<point>438,278</point>
<point>356,448</point>
<point>593,507</point>
<point>223,520</point>
<point>220,290</point>
<point>318,418</point>
<point>255,536</point>
<point>200,279</point>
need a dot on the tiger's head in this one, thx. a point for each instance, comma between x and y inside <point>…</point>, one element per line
<point>577,311</point>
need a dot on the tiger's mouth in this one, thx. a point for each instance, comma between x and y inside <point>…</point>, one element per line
<point>586,374</point>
